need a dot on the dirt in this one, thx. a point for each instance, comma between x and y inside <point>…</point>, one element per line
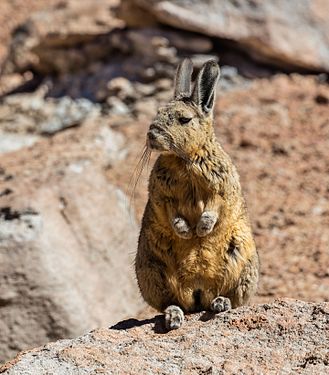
<point>277,133</point>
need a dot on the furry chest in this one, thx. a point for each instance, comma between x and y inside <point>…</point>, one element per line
<point>196,263</point>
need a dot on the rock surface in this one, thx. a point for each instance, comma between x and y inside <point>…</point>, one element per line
<point>284,337</point>
<point>12,14</point>
<point>86,68</point>
<point>291,34</point>
<point>24,117</point>
<point>67,239</point>
<point>63,38</point>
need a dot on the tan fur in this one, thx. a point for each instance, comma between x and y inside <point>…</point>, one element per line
<point>191,176</point>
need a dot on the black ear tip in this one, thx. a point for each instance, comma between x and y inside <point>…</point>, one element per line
<point>212,62</point>
<point>212,66</point>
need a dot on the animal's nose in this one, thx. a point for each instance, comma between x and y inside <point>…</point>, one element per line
<point>153,132</point>
<point>151,135</point>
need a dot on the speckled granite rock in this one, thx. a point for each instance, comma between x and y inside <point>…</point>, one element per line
<point>284,337</point>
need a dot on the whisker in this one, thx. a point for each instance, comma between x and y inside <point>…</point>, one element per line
<point>144,159</point>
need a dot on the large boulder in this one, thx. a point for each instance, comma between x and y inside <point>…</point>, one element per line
<point>283,337</point>
<point>290,34</point>
<point>67,239</point>
<point>63,38</point>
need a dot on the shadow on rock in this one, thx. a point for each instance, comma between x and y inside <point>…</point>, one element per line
<point>158,321</point>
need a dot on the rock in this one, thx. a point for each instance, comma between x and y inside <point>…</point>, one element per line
<point>67,236</point>
<point>13,14</point>
<point>121,88</point>
<point>146,108</point>
<point>117,106</point>
<point>230,78</point>
<point>65,260</point>
<point>26,114</point>
<point>94,82</point>
<point>67,113</point>
<point>63,38</point>
<point>161,37</point>
<point>290,34</point>
<point>134,15</point>
<point>84,56</point>
<point>13,142</point>
<point>120,94</point>
<point>126,98</point>
<point>164,84</point>
<point>286,336</point>
<point>147,90</point>
<point>113,145</point>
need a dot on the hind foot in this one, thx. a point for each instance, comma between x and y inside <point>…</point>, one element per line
<point>174,317</point>
<point>220,304</point>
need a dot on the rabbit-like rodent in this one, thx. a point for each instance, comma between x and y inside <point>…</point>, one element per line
<point>196,250</point>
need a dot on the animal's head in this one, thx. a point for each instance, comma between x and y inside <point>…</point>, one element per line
<point>184,125</point>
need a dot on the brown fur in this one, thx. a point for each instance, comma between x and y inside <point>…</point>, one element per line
<point>193,176</point>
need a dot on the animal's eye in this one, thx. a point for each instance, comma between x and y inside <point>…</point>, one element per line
<point>184,120</point>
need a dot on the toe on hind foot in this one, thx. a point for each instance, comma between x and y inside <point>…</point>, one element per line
<point>174,317</point>
<point>220,304</point>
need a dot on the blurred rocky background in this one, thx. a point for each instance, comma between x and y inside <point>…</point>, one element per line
<point>80,82</point>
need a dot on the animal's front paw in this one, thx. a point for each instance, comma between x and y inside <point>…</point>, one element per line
<point>181,228</point>
<point>206,223</point>
<point>220,304</point>
<point>174,317</point>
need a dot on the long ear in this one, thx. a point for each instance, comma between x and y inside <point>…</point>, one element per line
<point>205,86</point>
<point>183,79</point>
